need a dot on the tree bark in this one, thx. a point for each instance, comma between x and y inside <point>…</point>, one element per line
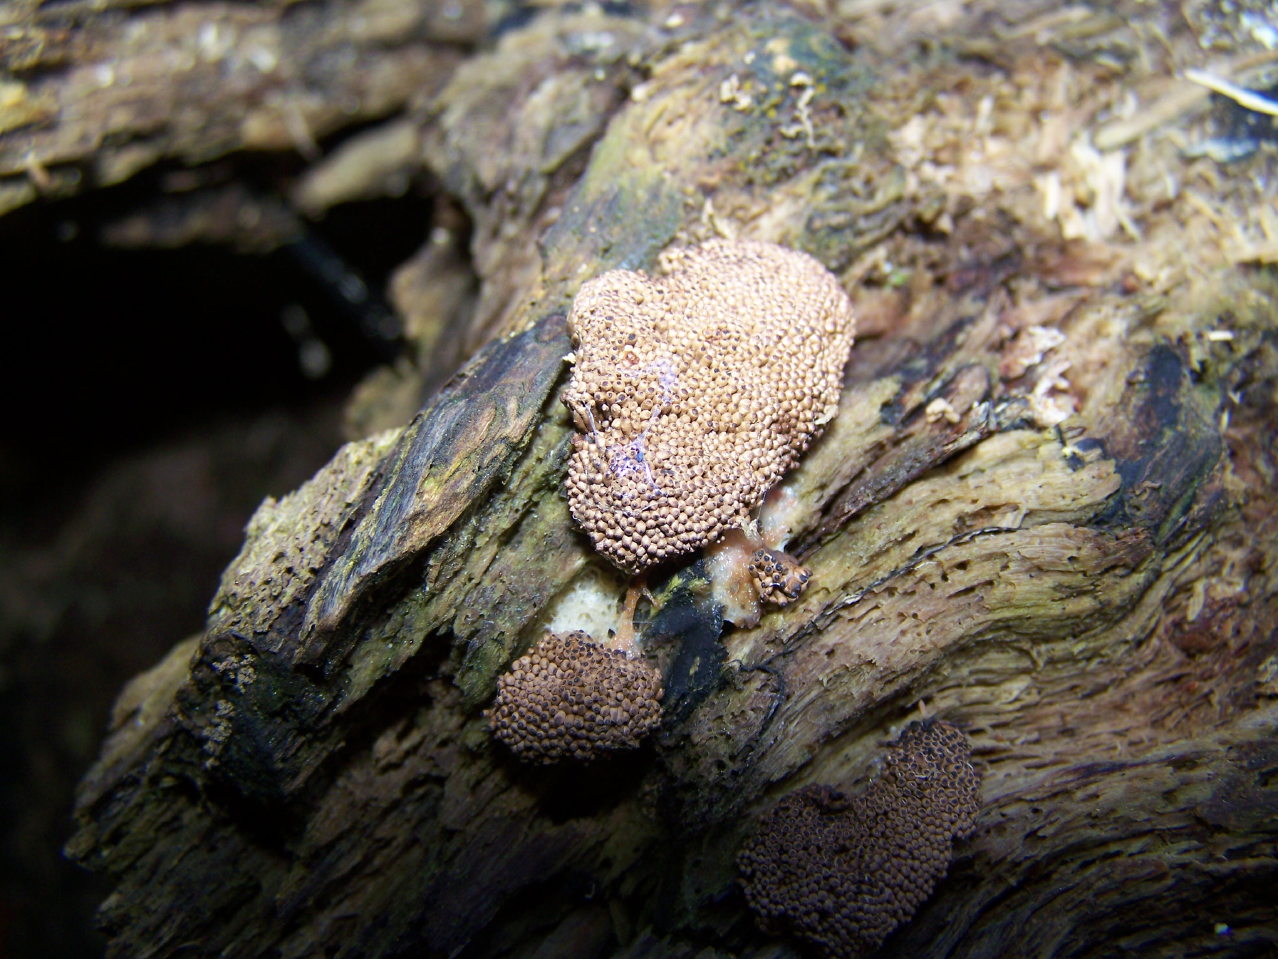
<point>1043,512</point>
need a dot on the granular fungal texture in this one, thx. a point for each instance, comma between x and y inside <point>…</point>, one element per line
<point>696,390</point>
<point>839,872</point>
<point>571,698</point>
<point>777,576</point>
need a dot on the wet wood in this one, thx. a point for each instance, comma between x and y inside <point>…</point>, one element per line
<point>1043,512</point>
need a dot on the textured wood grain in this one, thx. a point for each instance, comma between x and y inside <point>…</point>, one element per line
<point>95,93</point>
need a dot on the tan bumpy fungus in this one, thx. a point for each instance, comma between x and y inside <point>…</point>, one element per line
<point>569,698</point>
<point>696,390</point>
<point>777,576</point>
<point>839,872</point>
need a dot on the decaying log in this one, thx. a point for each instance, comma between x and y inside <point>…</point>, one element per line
<point>96,92</point>
<point>1044,513</point>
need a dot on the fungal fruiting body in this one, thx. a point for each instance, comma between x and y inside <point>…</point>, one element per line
<point>777,576</point>
<point>747,574</point>
<point>695,390</point>
<point>841,872</point>
<point>570,698</point>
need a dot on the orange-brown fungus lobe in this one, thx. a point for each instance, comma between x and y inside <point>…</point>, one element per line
<point>778,578</point>
<point>696,390</point>
<point>841,872</point>
<point>568,698</point>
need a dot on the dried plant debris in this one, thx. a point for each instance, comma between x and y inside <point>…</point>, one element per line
<point>570,698</point>
<point>696,390</point>
<point>840,873</point>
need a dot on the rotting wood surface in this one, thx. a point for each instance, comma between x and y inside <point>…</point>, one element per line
<point>1091,600</point>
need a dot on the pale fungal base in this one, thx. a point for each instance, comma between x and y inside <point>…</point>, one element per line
<point>779,515</point>
<point>588,605</point>
<point>731,585</point>
<point>623,636</point>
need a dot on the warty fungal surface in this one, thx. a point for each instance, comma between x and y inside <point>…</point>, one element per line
<point>695,390</point>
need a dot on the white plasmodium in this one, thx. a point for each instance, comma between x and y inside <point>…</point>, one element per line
<point>589,604</point>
